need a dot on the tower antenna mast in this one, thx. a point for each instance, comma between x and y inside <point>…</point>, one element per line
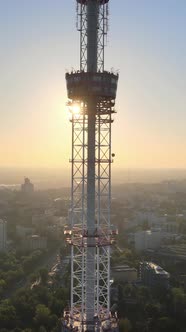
<point>91,93</point>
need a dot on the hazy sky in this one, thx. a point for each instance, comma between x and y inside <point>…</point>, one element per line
<point>38,42</point>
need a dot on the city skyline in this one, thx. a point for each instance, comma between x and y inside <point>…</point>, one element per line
<point>149,50</point>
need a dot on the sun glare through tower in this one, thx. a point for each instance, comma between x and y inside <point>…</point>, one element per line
<point>91,92</point>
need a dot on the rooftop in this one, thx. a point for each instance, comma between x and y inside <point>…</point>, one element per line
<point>123,268</point>
<point>157,269</point>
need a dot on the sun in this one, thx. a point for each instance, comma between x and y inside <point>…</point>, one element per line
<point>75,108</point>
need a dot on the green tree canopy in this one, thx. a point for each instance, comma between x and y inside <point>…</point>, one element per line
<point>125,325</point>
<point>42,315</point>
<point>7,315</point>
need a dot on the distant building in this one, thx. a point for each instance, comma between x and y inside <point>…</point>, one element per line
<point>42,219</point>
<point>55,232</point>
<point>173,253</point>
<point>153,275</point>
<point>27,186</point>
<point>35,242</point>
<point>23,231</point>
<point>150,239</point>
<point>171,227</point>
<point>150,217</point>
<point>3,235</point>
<point>124,273</point>
<point>39,219</point>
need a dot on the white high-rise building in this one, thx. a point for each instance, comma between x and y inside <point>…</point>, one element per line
<point>148,239</point>
<point>3,235</point>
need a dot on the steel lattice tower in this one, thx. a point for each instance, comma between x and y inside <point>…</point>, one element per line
<point>91,93</point>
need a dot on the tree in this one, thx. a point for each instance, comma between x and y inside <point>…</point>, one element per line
<point>124,325</point>
<point>53,321</point>
<point>25,303</point>
<point>43,275</point>
<point>2,285</point>
<point>57,306</point>
<point>7,315</point>
<point>43,294</point>
<point>42,315</point>
<point>144,295</point>
<point>34,277</point>
<point>42,329</point>
<point>179,299</point>
<point>129,290</point>
<point>165,324</point>
<point>152,310</point>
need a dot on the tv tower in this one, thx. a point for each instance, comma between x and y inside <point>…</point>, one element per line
<point>91,93</point>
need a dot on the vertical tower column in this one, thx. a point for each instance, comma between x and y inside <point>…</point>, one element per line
<point>92,45</point>
<point>92,35</point>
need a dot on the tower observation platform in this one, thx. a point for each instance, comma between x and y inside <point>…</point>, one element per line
<point>98,85</point>
<point>91,94</point>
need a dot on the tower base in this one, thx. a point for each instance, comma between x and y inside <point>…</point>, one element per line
<point>102,324</point>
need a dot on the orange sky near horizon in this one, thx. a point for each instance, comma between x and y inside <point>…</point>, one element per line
<point>38,43</point>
